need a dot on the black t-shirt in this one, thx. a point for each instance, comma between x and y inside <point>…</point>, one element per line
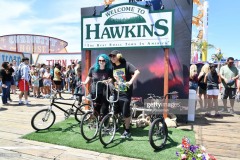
<point>6,75</point>
<point>201,83</point>
<point>212,81</point>
<point>123,73</point>
<point>99,75</point>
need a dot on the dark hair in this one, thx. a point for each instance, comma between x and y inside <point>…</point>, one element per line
<point>5,65</point>
<point>212,65</point>
<point>25,59</point>
<point>230,58</point>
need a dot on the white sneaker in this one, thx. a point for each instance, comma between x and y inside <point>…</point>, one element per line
<point>20,103</point>
<point>27,103</point>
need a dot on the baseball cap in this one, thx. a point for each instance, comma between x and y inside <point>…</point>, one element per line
<point>114,52</point>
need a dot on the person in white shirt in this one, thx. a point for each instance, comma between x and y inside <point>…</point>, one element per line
<point>24,81</point>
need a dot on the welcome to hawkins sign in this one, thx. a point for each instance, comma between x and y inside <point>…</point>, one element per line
<point>128,26</point>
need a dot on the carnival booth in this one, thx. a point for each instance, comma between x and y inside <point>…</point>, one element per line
<point>156,40</point>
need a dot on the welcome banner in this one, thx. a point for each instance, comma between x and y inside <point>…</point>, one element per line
<point>128,26</point>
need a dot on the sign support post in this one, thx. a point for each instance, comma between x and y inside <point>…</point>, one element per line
<point>166,66</point>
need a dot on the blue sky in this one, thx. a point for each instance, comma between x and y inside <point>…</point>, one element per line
<point>61,19</point>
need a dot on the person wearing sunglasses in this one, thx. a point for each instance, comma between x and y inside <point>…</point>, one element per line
<point>100,71</point>
<point>229,74</point>
<point>125,73</point>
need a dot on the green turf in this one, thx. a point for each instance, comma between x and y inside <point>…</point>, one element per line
<point>67,133</point>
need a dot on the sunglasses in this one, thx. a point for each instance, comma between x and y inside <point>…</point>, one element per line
<point>112,56</point>
<point>101,60</point>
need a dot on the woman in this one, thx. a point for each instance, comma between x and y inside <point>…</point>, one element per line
<point>57,78</point>
<point>11,71</point>
<point>47,82</point>
<point>193,77</point>
<point>202,86</point>
<point>124,72</point>
<point>15,68</point>
<point>100,71</point>
<point>212,79</point>
<point>6,78</point>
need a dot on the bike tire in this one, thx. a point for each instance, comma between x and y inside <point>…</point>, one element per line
<point>107,129</point>
<point>79,113</point>
<point>89,126</point>
<point>158,134</point>
<point>42,123</point>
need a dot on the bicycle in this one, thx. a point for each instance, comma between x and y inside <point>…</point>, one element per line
<point>90,122</point>
<point>45,118</point>
<point>111,121</point>
<point>158,132</point>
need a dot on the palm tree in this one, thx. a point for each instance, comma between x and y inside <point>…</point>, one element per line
<point>201,46</point>
<point>218,57</point>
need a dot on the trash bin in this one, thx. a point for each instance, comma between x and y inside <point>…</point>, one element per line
<point>192,104</point>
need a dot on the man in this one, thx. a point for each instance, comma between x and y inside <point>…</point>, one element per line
<point>124,74</point>
<point>229,75</point>
<point>41,73</point>
<point>24,81</point>
<point>71,76</point>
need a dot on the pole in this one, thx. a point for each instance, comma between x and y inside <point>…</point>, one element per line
<point>166,66</point>
<point>88,65</point>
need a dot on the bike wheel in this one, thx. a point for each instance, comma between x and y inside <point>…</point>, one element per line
<point>89,126</point>
<point>80,111</point>
<point>158,133</point>
<point>43,119</point>
<point>107,129</point>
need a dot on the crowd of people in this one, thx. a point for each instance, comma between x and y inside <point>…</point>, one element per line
<point>112,69</point>
<point>36,80</point>
<point>213,81</point>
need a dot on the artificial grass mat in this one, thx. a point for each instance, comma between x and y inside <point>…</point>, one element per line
<point>67,133</point>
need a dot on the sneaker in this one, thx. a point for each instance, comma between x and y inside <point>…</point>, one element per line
<point>207,114</point>
<point>217,114</point>
<point>20,103</point>
<point>223,110</point>
<point>126,135</point>
<point>231,111</point>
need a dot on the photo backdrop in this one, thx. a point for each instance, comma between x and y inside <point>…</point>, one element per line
<point>150,61</point>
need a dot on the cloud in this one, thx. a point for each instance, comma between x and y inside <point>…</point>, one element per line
<point>13,9</point>
<point>58,19</point>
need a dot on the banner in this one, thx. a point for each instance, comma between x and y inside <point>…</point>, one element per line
<point>128,26</point>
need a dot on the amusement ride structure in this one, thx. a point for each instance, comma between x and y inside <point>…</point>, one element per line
<point>201,22</point>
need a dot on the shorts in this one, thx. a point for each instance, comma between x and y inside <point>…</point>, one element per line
<point>58,83</point>
<point>23,85</point>
<point>229,93</point>
<point>201,90</point>
<point>12,81</point>
<point>40,83</point>
<point>213,92</point>
<point>123,106</point>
